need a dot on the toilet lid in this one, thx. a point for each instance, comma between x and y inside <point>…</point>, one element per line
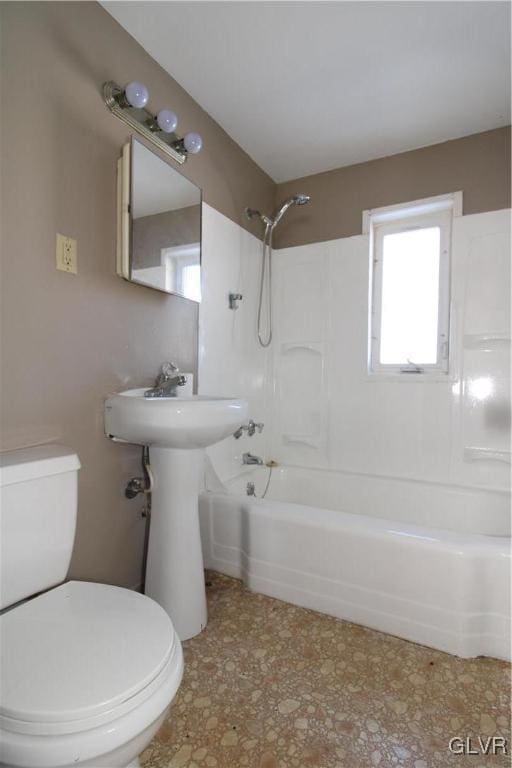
<point>80,650</point>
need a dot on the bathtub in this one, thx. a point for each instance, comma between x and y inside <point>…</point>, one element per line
<point>424,561</point>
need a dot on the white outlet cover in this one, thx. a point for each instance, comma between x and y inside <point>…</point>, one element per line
<point>67,254</point>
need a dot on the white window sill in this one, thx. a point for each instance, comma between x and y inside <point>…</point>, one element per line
<point>436,377</point>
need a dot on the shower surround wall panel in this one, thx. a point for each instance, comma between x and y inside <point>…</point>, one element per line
<point>231,362</point>
<point>348,420</point>
<point>311,387</point>
<point>483,423</point>
<point>300,353</point>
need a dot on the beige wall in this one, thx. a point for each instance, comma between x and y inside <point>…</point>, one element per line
<point>479,165</point>
<point>70,340</point>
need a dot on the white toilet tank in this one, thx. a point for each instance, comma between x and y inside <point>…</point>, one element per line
<point>38,505</point>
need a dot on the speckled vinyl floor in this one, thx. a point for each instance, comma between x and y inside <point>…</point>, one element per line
<point>270,685</point>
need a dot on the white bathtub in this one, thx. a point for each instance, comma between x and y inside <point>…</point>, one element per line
<point>423,561</point>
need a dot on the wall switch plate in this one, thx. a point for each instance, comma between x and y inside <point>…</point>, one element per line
<point>67,254</point>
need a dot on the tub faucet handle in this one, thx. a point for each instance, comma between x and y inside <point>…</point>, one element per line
<point>251,428</point>
<point>254,426</point>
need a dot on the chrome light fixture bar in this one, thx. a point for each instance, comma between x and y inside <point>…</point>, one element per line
<point>129,105</point>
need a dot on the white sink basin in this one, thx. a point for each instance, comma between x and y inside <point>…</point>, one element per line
<point>173,422</point>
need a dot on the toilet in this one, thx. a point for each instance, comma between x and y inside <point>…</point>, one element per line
<point>88,671</point>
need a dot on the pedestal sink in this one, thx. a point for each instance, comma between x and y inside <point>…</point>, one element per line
<point>177,430</point>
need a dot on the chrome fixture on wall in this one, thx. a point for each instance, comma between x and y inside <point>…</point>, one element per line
<point>249,458</point>
<point>251,428</point>
<point>270,224</point>
<point>234,298</point>
<point>129,105</point>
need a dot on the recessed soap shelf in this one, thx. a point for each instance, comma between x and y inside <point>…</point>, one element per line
<point>486,342</point>
<point>473,453</point>
<point>317,348</point>
<point>311,440</point>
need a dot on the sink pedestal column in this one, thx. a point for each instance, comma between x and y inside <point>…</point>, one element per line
<point>174,571</point>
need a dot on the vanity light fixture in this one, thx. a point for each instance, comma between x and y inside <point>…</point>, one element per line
<point>129,105</point>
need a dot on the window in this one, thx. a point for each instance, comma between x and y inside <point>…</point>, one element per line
<point>182,265</point>
<point>410,291</point>
<point>191,280</point>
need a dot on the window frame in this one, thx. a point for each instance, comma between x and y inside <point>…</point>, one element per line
<point>421,214</point>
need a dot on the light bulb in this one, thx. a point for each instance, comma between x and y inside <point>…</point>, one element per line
<point>167,120</point>
<point>193,143</point>
<point>136,94</point>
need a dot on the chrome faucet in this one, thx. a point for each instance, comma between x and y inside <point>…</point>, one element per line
<point>248,458</point>
<point>250,428</point>
<point>167,382</point>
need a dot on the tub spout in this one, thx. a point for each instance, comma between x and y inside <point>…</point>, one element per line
<point>248,458</point>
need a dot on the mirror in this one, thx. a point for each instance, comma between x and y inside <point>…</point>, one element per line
<point>159,224</point>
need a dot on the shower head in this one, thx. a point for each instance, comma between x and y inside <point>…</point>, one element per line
<point>299,199</point>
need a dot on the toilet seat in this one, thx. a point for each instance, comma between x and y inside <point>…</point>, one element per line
<point>81,656</point>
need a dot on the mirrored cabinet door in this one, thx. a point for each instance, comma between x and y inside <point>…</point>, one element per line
<point>159,227</point>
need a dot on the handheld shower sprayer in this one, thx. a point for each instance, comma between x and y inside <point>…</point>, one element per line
<point>299,199</point>
<point>270,224</point>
